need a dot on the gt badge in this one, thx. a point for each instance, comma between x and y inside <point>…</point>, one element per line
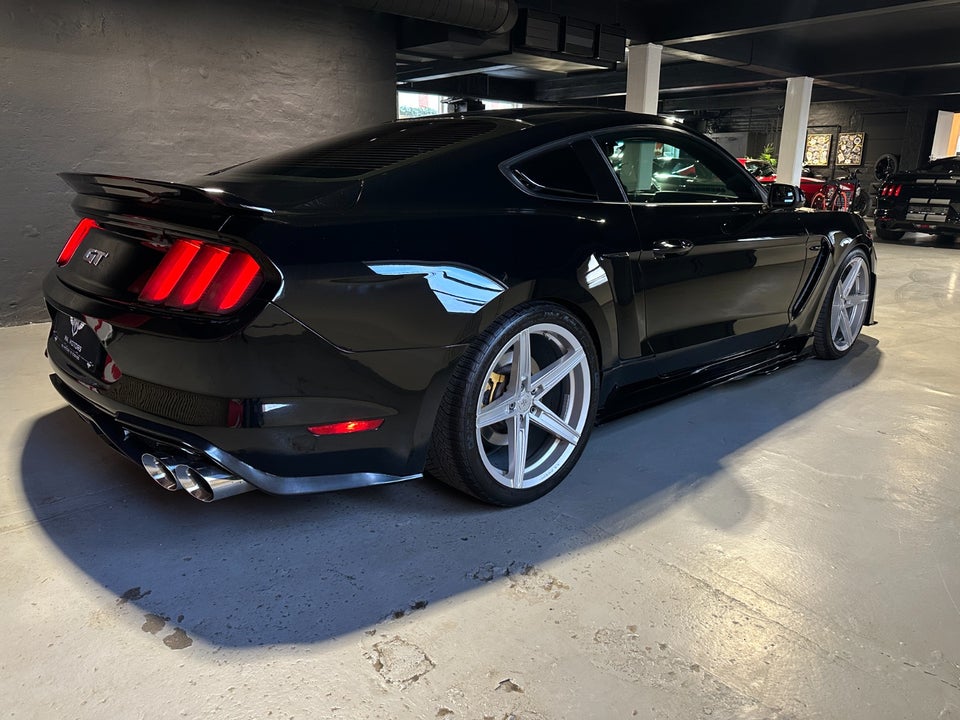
<point>94,256</point>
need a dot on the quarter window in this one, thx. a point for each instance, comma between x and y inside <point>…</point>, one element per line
<point>555,172</point>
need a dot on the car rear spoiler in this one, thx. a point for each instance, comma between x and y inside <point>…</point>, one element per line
<point>153,191</point>
<point>290,196</point>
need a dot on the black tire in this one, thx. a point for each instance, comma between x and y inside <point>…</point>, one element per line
<point>889,235</point>
<point>848,297</point>
<point>885,166</point>
<point>946,237</point>
<point>862,203</point>
<point>491,402</point>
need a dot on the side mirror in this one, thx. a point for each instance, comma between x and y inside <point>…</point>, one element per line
<point>781,195</point>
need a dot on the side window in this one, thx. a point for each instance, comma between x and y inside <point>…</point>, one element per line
<point>653,170</point>
<point>557,172</point>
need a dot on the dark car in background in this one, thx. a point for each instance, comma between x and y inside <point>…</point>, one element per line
<point>461,296</point>
<point>923,200</point>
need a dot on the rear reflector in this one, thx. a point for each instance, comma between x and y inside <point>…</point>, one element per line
<point>76,237</point>
<point>348,426</point>
<point>201,275</point>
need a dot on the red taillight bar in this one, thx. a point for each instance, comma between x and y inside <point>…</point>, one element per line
<point>76,237</point>
<point>346,427</point>
<point>170,271</point>
<point>198,276</point>
<point>233,284</point>
<point>201,275</point>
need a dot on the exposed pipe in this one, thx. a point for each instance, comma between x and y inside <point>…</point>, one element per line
<point>490,16</point>
<point>208,483</point>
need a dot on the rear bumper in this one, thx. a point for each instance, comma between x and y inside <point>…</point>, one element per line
<point>171,397</point>
<point>133,436</point>
<point>924,226</point>
<point>938,213</point>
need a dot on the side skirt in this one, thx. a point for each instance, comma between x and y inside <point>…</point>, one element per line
<point>627,398</point>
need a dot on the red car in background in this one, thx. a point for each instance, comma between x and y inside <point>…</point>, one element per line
<point>765,173</point>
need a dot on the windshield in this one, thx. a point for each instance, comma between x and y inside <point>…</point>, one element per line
<point>759,168</point>
<point>366,151</point>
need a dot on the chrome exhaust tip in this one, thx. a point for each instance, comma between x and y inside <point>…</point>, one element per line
<point>158,468</point>
<point>209,483</point>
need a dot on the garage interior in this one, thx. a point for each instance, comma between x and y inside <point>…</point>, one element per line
<point>793,562</point>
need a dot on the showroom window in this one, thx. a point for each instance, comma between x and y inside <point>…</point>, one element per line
<point>414,105</point>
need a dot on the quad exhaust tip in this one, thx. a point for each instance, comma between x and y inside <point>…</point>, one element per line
<point>158,468</point>
<point>204,483</point>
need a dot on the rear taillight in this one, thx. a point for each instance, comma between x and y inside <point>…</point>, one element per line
<point>170,271</point>
<point>891,190</point>
<point>76,237</point>
<point>233,285</point>
<point>199,275</point>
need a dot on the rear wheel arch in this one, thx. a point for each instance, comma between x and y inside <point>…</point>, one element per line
<point>592,321</point>
<point>596,317</point>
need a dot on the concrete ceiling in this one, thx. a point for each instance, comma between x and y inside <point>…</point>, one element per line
<point>715,53</point>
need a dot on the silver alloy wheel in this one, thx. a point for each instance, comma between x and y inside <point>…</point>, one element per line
<point>523,406</point>
<point>850,303</point>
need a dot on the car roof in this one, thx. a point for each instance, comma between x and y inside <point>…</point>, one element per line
<point>566,119</point>
<point>566,113</point>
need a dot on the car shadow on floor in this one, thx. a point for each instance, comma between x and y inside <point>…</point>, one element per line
<point>257,570</point>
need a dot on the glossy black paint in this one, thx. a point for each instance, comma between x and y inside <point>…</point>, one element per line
<point>927,200</point>
<point>375,283</point>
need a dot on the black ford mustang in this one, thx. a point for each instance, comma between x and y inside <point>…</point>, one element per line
<point>923,200</point>
<point>459,295</point>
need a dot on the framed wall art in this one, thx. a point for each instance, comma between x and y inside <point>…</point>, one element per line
<point>817,153</point>
<point>850,148</point>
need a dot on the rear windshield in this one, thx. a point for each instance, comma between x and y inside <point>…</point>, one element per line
<point>366,151</point>
<point>943,165</point>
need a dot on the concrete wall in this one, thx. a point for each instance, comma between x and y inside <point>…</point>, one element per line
<point>165,90</point>
<point>901,129</point>
<point>890,128</point>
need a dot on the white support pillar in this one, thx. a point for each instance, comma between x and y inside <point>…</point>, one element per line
<point>643,78</point>
<point>941,136</point>
<point>793,136</point>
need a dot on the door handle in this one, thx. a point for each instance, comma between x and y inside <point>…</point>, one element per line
<point>671,248</point>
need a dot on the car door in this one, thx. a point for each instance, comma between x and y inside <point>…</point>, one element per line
<point>717,269</point>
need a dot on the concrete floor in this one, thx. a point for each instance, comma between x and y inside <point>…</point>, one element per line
<point>781,547</point>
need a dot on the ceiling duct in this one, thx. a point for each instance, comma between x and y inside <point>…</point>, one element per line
<point>489,16</point>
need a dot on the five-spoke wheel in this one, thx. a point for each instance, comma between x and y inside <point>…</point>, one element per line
<point>523,401</point>
<point>845,309</point>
